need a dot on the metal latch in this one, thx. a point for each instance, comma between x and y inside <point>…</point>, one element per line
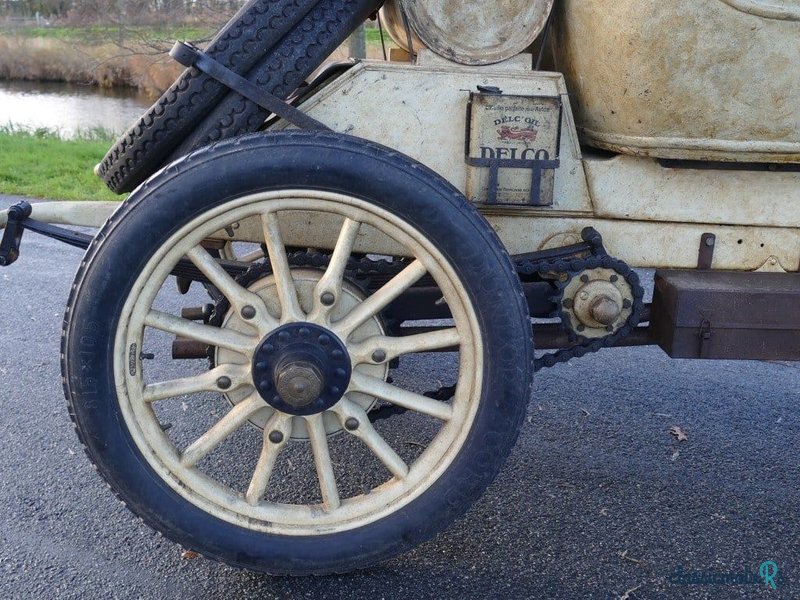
<point>705,333</point>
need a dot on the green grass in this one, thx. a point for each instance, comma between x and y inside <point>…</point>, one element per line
<point>40,164</point>
<point>373,35</point>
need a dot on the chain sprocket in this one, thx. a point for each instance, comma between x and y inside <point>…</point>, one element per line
<point>555,267</point>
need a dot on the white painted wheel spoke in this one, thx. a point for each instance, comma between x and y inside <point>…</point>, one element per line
<point>347,409</point>
<point>212,438</point>
<point>411,400</point>
<point>214,336</point>
<point>270,449</point>
<point>331,282</point>
<point>380,299</point>
<point>392,347</point>
<point>204,382</point>
<point>322,462</point>
<point>238,296</point>
<point>287,292</point>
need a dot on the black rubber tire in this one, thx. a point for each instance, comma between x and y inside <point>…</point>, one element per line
<point>277,43</point>
<point>280,161</point>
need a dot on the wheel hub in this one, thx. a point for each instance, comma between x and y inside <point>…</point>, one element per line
<point>301,369</point>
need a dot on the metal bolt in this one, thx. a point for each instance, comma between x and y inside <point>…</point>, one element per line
<point>224,383</point>
<point>584,295</point>
<point>335,391</point>
<point>605,310</point>
<point>340,373</point>
<point>567,303</point>
<point>710,241</point>
<point>276,437</point>
<point>581,327</point>
<point>324,340</point>
<point>336,354</point>
<point>626,304</point>
<point>305,332</point>
<point>327,299</point>
<point>609,328</point>
<point>284,336</point>
<point>262,366</point>
<point>351,424</point>
<point>613,279</point>
<point>379,356</point>
<point>585,278</point>
<point>248,312</point>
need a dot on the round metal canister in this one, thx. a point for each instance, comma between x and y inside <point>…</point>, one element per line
<point>715,80</point>
<point>392,20</point>
<point>472,32</point>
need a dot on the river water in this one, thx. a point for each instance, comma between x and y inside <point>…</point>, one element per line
<point>68,107</point>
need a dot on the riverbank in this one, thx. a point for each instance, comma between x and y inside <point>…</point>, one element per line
<point>40,164</point>
<point>93,57</point>
<point>104,65</point>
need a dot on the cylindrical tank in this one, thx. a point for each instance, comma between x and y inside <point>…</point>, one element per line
<point>472,32</point>
<point>686,79</point>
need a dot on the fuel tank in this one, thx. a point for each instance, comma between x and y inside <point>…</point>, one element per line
<point>684,79</point>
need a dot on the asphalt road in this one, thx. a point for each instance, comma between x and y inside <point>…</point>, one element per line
<point>597,499</point>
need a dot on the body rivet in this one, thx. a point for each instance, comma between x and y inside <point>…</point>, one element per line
<point>248,312</point>
<point>224,383</point>
<point>276,437</point>
<point>351,424</point>
<point>379,356</point>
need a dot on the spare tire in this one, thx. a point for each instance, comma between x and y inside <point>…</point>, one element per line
<point>275,43</point>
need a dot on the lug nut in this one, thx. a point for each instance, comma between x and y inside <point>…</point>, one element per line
<point>248,312</point>
<point>327,299</point>
<point>224,383</point>
<point>379,356</point>
<point>351,424</point>
<point>276,437</point>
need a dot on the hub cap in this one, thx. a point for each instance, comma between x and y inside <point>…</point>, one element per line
<point>301,369</point>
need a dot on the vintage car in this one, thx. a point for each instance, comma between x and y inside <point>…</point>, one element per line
<point>233,346</point>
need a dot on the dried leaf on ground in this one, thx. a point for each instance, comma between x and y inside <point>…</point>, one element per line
<point>679,433</point>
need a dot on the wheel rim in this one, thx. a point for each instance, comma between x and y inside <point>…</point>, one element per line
<point>182,468</point>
